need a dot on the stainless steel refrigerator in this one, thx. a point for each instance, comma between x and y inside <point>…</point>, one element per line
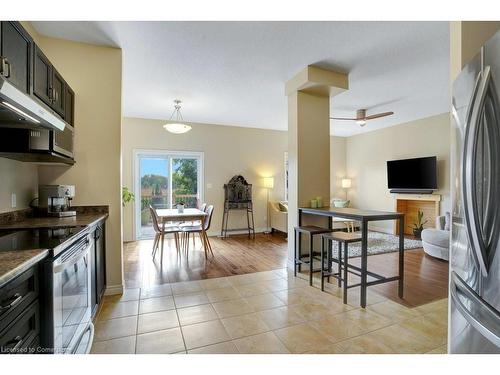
<point>474,325</point>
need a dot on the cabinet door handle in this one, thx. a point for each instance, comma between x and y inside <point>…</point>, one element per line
<point>5,67</point>
<point>7,64</point>
<point>16,299</point>
<point>97,233</point>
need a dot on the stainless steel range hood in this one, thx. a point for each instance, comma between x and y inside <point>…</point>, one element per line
<point>18,109</point>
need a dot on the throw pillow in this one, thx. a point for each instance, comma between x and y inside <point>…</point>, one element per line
<point>447,221</point>
<point>283,206</point>
<point>341,204</point>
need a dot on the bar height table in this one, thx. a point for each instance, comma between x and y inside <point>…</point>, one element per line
<point>364,217</point>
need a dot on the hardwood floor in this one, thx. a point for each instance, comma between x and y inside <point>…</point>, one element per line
<point>233,256</point>
<point>426,278</point>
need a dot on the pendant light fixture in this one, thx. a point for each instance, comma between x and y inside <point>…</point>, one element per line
<point>177,125</point>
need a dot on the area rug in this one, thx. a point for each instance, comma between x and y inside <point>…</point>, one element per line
<point>380,243</point>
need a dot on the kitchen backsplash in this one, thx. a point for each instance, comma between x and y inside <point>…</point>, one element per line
<point>18,178</point>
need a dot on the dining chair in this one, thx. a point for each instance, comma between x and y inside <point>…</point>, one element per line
<point>169,228</point>
<point>202,232</point>
<point>185,237</point>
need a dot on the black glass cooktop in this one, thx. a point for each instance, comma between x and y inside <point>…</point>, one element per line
<point>41,238</point>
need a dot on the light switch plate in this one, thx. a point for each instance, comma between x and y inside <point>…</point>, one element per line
<point>209,186</point>
<point>13,200</point>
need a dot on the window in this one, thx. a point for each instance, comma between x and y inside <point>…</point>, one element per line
<point>163,179</point>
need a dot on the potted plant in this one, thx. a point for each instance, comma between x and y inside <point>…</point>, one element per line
<point>418,225</point>
<point>180,207</point>
<point>127,196</point>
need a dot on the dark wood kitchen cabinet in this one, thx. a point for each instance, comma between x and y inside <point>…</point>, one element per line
<point>20,313</point>
<point>58,91</point>
<point>42,77</point>
<point>69,106</point>
<point>50,87</point>
<point>98,267</point>
<point>15,55</point>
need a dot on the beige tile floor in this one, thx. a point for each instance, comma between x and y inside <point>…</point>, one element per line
<point>264,312</point>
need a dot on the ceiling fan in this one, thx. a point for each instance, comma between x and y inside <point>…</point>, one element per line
<point>361,117</point>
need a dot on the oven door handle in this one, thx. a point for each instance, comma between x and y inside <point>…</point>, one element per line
<point>74,259</point>
<point>87,350</point>
<point>91,338</point>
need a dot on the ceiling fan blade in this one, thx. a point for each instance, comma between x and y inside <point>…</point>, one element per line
<point>383,114</point>
<point>343,118</point>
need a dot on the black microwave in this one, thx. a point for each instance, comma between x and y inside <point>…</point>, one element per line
<point>40,145</point>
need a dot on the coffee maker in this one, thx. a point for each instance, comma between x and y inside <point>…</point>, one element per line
<point>55,200</point>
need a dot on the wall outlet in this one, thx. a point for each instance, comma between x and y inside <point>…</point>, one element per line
<point>13,200</point>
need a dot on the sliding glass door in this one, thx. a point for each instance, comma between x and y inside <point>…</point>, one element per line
<point>163,179</point>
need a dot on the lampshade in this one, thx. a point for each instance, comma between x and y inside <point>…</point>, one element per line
<point>346,183</point>
<point>268,182</point>
<point>177,128</point>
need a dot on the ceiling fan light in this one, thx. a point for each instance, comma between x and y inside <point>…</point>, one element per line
<point>361,122</point>
<point>177,128</point>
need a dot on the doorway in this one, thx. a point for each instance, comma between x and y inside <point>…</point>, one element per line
<point>163,179</point>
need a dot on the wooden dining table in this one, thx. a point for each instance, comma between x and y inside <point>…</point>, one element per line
<point>189,214</point>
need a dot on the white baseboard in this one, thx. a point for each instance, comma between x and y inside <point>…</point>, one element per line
<point>113,290</point>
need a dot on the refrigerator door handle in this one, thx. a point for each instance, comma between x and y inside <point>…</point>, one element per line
<point>475,120</point>
<point>487,322</point>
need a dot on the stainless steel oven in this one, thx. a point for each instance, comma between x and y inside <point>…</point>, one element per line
<point>71,311</point>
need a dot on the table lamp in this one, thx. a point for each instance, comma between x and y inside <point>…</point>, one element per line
<point>346,184</point>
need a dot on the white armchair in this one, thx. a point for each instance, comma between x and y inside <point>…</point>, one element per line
<point>436,242</point>
<point>279,218</point>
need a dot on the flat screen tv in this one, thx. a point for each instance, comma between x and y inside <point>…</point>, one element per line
<point>417,175</point>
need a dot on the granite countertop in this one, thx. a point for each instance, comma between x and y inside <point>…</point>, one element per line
<point>83,219</point>
<point>13,263</point>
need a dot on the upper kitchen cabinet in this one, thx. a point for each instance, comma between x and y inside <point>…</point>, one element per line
<point>50,87</point>
<point>42,77</point>
<point>15,55</point>
<point>58,91</point>
<point>69,106</point>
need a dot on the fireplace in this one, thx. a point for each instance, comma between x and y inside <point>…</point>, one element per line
<point>410,204</point>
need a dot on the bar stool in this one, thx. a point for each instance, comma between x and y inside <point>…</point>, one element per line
<point>311,231</point>
<point>343,239</point>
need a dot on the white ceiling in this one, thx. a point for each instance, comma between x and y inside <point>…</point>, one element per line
<point>233,73</point>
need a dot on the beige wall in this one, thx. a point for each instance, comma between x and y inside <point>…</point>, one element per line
<point>228,151</point>
<point>337,166</point>
<point>366,156</point>
<point>19,178</point>
<point>95,74</point>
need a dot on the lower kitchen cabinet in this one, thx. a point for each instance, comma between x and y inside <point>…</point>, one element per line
<point>98,267</point>
<point>20,314</point>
